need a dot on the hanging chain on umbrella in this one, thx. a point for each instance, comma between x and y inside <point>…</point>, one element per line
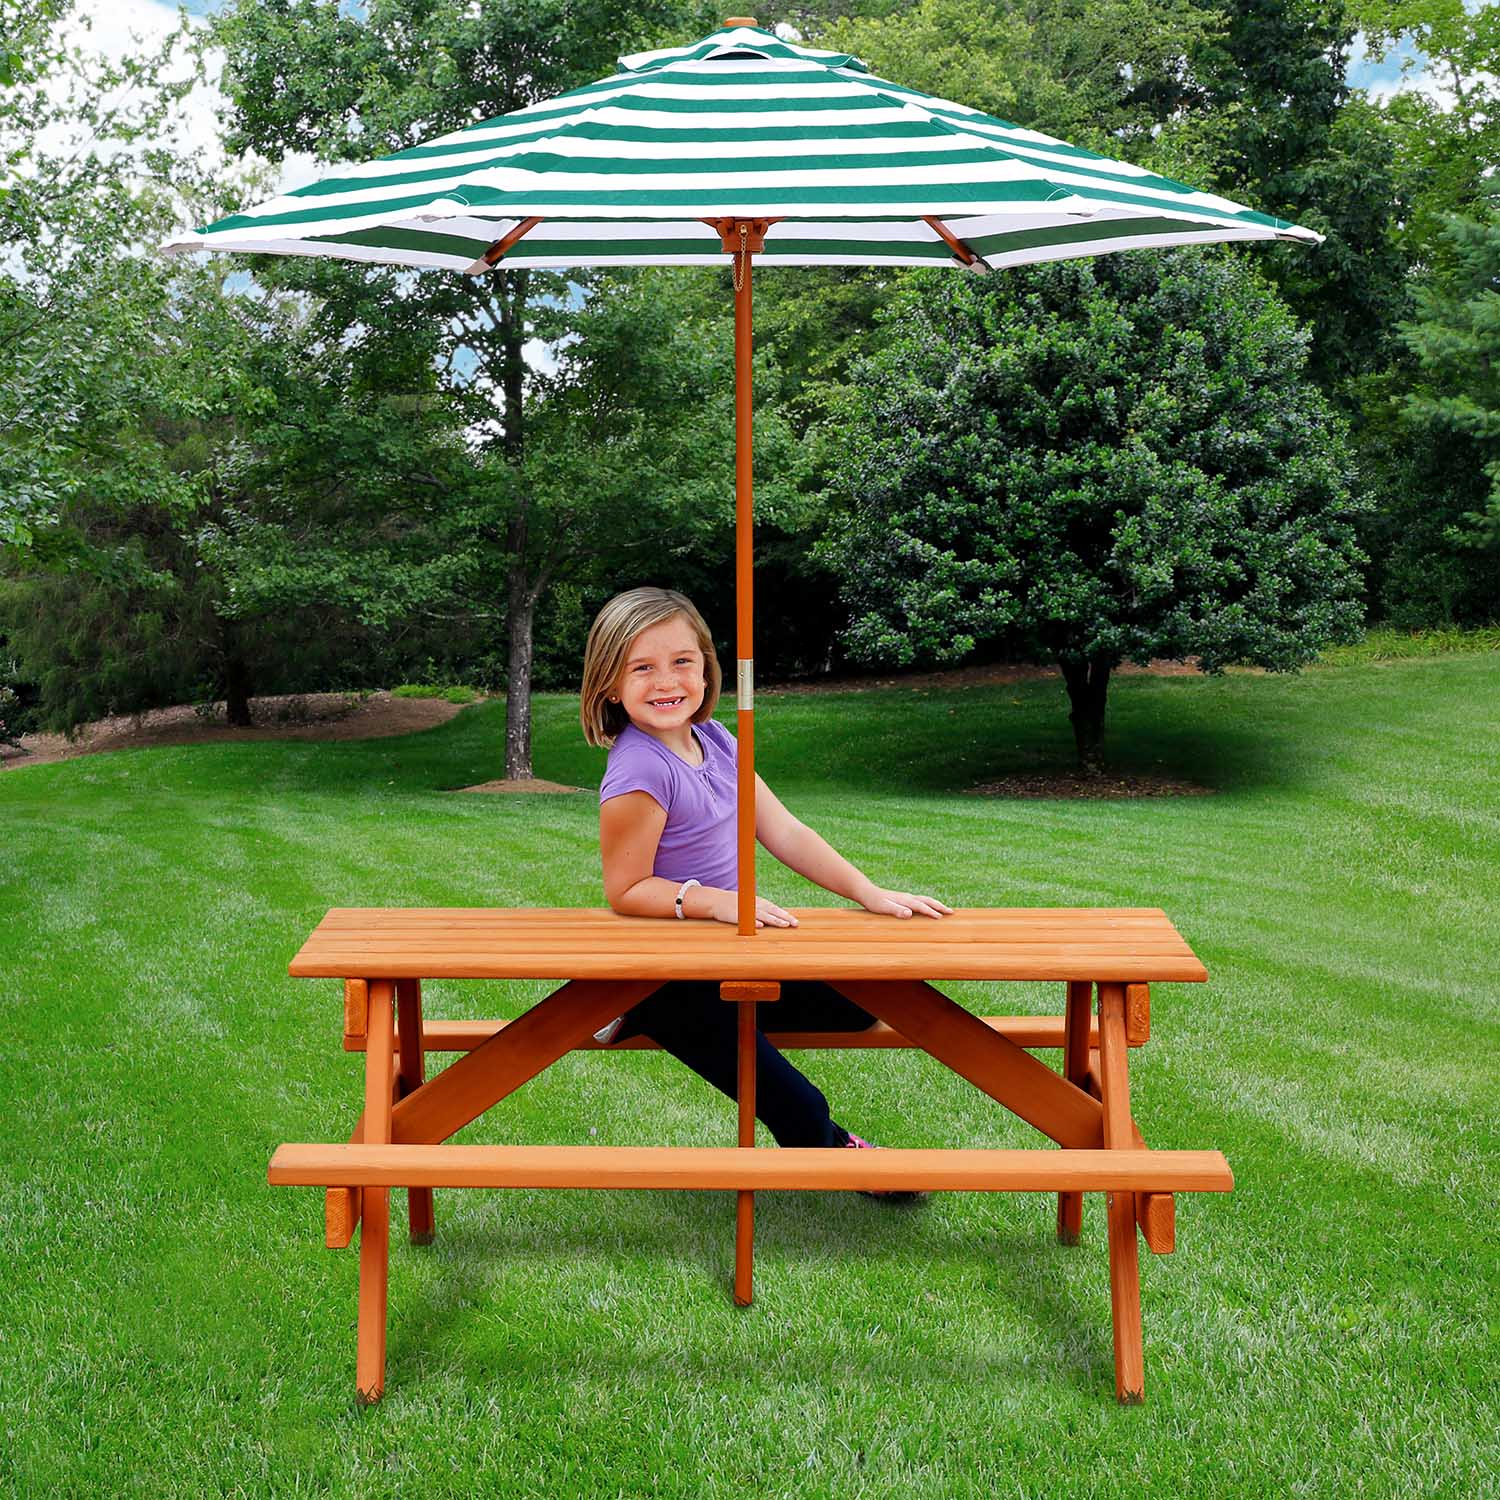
<point>739,256</point>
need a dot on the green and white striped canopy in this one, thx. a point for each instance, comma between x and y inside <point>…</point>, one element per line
<point>855,170</point>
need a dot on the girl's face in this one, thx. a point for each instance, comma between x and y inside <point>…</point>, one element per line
<point>661,686</point>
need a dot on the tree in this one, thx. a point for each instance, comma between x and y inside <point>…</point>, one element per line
<point>1095,461</point>
<point>310,75</point>
<point>630,450</point>
<point>1444,563</point>
<point>1277,127</point>
<point>1456,339</point>
<point>1445,127</point>
<point>187,476</point>
<point>245,507</point>
<point>1098,73</point>
<point>91,173</point>
<point>85,145</point>
<point>1448,131</point>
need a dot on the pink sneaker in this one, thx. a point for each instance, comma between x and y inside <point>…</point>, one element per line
<point>886,1195</point>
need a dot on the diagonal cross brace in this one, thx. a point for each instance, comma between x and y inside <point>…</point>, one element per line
<point>1007,1073</point>
<point>462,1092</point>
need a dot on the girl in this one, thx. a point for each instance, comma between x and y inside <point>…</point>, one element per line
<point>667,835</point>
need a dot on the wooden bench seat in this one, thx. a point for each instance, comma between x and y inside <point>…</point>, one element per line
<point>738,1167</point>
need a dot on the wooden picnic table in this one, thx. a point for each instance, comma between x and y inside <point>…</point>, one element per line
<point>608,963</point>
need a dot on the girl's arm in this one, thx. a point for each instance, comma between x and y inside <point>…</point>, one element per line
<point>630,828</point>
<point>799,848</point>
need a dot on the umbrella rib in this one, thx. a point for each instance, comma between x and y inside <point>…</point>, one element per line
<point>961,252</point>
<point>494,254</point>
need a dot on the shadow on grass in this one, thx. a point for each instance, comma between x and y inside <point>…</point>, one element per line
<point>937,744</point>
<point>1027,1274</point>
<point>890,741</point>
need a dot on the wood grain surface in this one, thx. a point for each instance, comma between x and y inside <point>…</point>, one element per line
<point>1124,944</point>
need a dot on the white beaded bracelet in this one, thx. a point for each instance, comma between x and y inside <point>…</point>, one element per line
<point>682,890</point>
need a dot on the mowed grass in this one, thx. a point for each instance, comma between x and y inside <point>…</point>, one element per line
<point>169,1324</point>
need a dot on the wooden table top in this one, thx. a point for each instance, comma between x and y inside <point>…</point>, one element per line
<point>1130,944</point>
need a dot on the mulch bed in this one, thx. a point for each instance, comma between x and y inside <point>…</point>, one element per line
<point>531,784</point>
<point>296,716</point>
<point>979,676</point>
<point>1076,785</point>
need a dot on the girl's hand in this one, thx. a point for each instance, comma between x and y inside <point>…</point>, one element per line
<point>903,904</point>
<point>767,914</point>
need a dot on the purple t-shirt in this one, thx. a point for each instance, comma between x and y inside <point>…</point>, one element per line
<point>698,842</point>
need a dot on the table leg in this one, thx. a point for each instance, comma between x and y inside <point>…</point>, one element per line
<point>1124,1251</point>
<point>1075,1070</point>
<point>744,1220</point>
<point>412,1074</point>
<point>374,1235</point>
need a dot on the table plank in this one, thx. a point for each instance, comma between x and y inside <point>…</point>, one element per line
<point>1124,944</point>
<point>585,916</point>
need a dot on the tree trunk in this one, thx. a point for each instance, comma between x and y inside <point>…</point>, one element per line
<point>237,684</point>
<point>510,316</point>
<point>518,680</point>
<point>1088,684</point>
<point>521,598</point>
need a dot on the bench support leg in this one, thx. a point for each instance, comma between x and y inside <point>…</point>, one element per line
<point>1075,1070</point>
<point>374,1235</point>
<point>1124,1250</point>
<point>412,1074</point>
<point>1156,1213</point>
<point>744,1218</point>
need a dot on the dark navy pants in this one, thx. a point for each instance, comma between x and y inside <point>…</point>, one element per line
<point>687,1018</point>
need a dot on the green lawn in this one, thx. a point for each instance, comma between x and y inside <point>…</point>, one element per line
<point>171,1325</point>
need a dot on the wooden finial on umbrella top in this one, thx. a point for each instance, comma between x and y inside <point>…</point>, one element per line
<point>741,21</point>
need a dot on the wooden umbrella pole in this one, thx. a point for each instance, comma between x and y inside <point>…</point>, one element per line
<point>743,239</point>
<point>744,569</point>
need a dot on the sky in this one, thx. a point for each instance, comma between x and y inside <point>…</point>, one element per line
<point>117,28</point>
<point>1381,76</point>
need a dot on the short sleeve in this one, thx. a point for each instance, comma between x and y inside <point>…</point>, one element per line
<point>635,769</point>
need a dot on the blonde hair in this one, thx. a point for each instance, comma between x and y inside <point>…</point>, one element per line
<point>614,628</point>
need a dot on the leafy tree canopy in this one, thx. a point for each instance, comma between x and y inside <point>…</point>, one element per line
<point>186,469</point>
<point>1099,74</point>
<point>314,76</point>
<point>1444,532</point>
<point>1456,339</point>
<point>1094,461</point>
<point>1448,132</point>
<point>1281,130</point>
<point>90,173</point>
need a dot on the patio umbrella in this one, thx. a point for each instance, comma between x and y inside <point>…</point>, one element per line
<point>749,146</point>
